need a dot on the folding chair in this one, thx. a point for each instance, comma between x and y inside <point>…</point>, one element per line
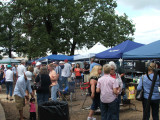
<point>85,87</point>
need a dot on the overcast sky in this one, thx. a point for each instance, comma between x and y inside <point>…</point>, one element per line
<point>145,14</point>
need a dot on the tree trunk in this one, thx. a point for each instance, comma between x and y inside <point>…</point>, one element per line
<point>73,48</point>
<point>9,53</point>
<point>54,52</point>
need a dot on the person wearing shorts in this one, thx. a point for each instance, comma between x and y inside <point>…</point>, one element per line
<point>22,85</point>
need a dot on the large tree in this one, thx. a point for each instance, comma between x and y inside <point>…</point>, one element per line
<point>61,26</point>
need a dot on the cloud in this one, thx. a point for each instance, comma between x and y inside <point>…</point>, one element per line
<point>141,4</point>
<point>147,28</point>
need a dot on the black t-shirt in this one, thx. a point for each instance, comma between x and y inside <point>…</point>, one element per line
<point>86,67</point>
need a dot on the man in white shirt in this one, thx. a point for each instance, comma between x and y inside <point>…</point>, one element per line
<point>21,69</point>
<point>66,72</point>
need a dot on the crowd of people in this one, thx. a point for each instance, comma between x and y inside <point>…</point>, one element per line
<point>106,85</point>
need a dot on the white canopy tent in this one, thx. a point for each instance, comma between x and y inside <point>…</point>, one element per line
<point>97,48</point>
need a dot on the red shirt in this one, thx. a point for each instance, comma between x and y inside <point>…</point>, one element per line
<point>114,76</point>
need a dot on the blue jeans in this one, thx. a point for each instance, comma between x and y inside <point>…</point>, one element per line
<point>42,97</point>
<point>54,91</point>
<point>109,111</point>
<point>9,86</point>
<point>154,104</point>
<point>64,81</point>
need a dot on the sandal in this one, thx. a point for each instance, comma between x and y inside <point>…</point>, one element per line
<point>11,99</point>
<point>6,98</point>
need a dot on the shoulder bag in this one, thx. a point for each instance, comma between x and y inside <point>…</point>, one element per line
<point>139,94</point>
<point>37,86</point>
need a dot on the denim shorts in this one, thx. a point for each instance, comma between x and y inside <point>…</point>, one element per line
<point>95,103</point>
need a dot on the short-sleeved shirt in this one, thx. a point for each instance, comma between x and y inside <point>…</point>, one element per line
<point>14,70</point>
<point>21,69</point>
<point>66,71</point>
<point>58,71</point>
<point>36,71</point>
<point>21,86</point>
<point>86,67</point>
<point>92,65</point>
<point>9,76</point>
<point>106,84</point>
<point>147,86</point>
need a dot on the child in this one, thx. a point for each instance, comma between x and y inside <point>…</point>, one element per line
<point>32,109</point>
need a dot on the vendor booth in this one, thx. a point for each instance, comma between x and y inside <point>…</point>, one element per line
<point>97,48</point>
<point>149,51</point>
<point>117,51</point>
<point>56,57</point>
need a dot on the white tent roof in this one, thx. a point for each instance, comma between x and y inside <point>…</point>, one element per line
<point>97,48</point>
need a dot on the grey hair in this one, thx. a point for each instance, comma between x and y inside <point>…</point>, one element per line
<point>112,64</point>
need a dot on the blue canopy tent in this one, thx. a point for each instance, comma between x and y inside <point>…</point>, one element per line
<point>149,51</point>
<point>117,51</point>
<point>57,57</point>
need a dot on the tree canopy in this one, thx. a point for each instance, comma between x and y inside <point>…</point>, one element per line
<point>35,27</point>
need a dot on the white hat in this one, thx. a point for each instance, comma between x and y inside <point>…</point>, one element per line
<point>28,75</point>
<point>38,63</point>
<point>61,62</point>
<point>73,63</point>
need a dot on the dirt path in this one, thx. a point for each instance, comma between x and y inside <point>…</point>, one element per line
<point>76,113</point>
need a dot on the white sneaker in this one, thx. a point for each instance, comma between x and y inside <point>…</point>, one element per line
<point>89,118</point>
<point>93,118</point>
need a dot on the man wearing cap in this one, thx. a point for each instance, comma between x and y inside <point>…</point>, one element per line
<point>66,72</point>
<point>21,69</point>
<point>37,69</point>
<point>22,85</point>
<point>9,81</point>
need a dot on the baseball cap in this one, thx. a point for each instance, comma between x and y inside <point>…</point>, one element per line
<point>73,63</point>
<point>9,66</point>
<point>38,63</point>
<point>28,75</point>
<point>65,60</point>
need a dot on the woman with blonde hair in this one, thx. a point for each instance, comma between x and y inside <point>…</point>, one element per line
<point>146,83</point>
<point>94,76</point>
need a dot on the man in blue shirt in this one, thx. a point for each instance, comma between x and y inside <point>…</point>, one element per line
<point>22,85</point>
<point>93,63</point>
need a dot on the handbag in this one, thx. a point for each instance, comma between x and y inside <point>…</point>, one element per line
<point>139,94</point>
<point>37,86</point>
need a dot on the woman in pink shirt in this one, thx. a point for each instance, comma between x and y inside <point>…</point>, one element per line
<point>108,89</point>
